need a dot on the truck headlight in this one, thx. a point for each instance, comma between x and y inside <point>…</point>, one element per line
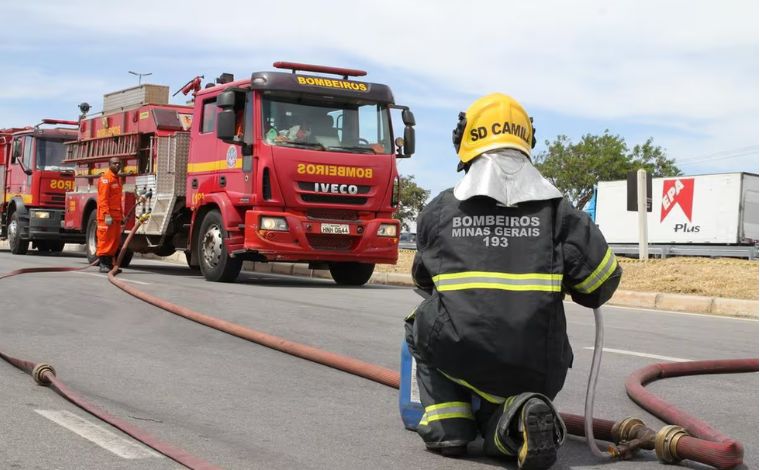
<point>41,214</point>
<point>274,223</point>
<point>386,230</point>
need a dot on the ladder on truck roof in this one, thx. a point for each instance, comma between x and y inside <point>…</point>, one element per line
<point>102,148</point>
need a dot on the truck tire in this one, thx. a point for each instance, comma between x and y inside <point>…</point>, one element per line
<point>128,254</point>
<point>91,238</point>
<point>18,246</point>
<point>351,274</point>
<point>216,263</point>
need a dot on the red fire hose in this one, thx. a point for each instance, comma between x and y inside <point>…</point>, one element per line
<point>44,374</point>
<point>671,443</point>
<point>702,443</point>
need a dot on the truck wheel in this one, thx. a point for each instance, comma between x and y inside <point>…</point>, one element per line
<point>91,238</point>
<point>351,274</point>
<point>216,263</point>
<point>18,246</point>
<point>128,254</point>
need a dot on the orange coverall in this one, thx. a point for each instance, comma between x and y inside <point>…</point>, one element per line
<point>109,202</point>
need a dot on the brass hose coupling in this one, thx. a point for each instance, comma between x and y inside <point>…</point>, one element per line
<point>630,434</point>
<point>666,441</point>
<point>625,429</point>
<point>38,373</point>
<point>143,218</point>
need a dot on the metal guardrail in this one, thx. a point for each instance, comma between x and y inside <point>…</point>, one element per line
<point>713,251</point>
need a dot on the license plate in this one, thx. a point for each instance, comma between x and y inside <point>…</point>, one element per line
<point>341,229</point>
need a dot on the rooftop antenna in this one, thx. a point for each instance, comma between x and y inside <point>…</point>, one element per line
<point>140,76</point>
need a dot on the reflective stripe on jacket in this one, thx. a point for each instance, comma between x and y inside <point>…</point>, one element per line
<point>498,277</point>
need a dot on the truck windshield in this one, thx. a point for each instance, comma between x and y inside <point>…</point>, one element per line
<point>333,126</point>
<point>50,153</point>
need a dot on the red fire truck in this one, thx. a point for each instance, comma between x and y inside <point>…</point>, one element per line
<point>281,166</point>
<point>33,182</point>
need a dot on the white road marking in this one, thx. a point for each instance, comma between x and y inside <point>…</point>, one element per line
<point>99,435</point>
<point>634,353</point>
<point>121,278</point>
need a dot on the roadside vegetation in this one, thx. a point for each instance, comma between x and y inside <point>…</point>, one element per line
<point>721,277</point>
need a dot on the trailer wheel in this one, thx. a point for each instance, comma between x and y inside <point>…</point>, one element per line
<point>216,263</point>
<point>18,246</point>
<point>351,274</point>
<point>91,238</point>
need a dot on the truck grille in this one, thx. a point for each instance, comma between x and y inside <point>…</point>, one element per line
<point>332,214</point>
<point>320,198</point>
<point>53,199</point>
<point>331,242</point>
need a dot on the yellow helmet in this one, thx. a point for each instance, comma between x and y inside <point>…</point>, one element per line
<point>491,122</point>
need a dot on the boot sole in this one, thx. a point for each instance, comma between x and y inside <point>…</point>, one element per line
<point>539,450</point>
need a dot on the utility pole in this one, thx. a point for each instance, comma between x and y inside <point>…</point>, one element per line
<point>140,76</point>
<point>641,180</point>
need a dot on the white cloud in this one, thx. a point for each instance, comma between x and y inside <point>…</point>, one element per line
<point>685,65</point>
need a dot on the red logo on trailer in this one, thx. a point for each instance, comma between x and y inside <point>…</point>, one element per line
<point>677,192</point>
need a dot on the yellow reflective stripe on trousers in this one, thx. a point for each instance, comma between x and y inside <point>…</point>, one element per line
<point>494,280</point>
<point>496,440</point>
<point>448,410</point>
<point>600,274</point>
<point>495,399</point>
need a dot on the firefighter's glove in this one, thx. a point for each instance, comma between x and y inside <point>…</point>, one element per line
<point>109,220</point>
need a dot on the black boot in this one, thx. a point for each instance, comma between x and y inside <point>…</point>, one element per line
<point>105,264</point>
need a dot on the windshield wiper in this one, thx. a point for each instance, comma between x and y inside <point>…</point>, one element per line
<point>353,149</point>
<point>310,145</point>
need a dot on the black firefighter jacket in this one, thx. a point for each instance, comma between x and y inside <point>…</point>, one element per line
<point>498,275</point>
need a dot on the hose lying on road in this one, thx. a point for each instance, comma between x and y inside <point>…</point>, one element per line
<point>671,443</point>
<point>702,443</point>
<point>46,269</point>
<point>630,434</point>
<point>44,374</point>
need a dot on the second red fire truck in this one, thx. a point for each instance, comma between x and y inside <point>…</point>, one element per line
<point>282,166</point>
<point>33,182</point>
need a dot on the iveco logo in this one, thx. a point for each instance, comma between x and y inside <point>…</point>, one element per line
<point>335,188</point>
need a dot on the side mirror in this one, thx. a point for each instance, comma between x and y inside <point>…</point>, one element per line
<point>409,140</point>
<point>408,117</point>
<point>225,125</point>
<point>16,152</point>
<point>226,99</point>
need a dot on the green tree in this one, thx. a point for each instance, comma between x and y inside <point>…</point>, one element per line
<point>411,200</point>
<point>576,168</point>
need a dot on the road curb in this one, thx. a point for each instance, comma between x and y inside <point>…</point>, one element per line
<point>624,298</point>
<point>651,300</point>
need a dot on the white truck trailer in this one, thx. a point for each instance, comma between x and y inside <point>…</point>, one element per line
<point>703,215</point>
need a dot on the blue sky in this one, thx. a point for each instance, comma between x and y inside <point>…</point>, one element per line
<point>682,72</point>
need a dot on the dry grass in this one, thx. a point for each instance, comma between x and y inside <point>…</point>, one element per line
<point>723,277</point>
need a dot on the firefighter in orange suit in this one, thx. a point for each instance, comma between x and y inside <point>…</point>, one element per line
<point>109,214</point>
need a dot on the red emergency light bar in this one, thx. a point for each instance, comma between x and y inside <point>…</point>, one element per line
<point>320,68</point>
<point>60,121</point>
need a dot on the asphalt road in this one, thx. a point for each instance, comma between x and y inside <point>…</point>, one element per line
<point>239,405</point>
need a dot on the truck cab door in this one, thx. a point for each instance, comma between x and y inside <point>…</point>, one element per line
<point>18,181</point>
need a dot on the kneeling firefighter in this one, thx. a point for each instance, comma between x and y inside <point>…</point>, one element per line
<point>497,253</point>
